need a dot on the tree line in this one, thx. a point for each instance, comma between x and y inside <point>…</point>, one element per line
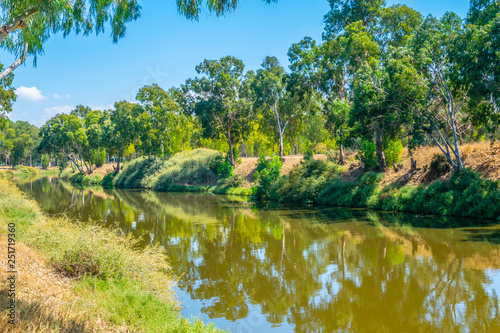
<point>380,78</point>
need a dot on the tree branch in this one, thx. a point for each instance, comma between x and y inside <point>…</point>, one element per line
<point>16,64</point>
<point>17,22</point>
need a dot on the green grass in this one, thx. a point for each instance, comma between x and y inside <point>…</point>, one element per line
<point>465,194</point>
<point>305,182</point>
<point>182,169</point>
<point>27,170</point>
<point>113,278</point>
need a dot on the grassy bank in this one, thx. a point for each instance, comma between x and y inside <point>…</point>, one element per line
<point>465,193</point>
<point>104,283</point>
<point>190,171</point>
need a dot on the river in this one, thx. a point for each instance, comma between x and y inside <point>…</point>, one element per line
<point>304,269</point>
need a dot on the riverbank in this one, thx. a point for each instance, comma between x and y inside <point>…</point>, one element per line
<point>427,188</point>
<point>82,277</point>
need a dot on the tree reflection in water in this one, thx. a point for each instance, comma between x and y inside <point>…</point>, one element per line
<point>320,270</point>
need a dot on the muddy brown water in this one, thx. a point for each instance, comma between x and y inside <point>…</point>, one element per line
<point>304,269</point>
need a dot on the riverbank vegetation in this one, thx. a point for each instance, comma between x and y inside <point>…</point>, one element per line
<point>373,91</point>
<point>104,281</point>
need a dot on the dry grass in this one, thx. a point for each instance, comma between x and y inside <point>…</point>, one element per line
<point>105,169</point>
<point>482,157</point>
<point>45,301</point>
<point>77,277</point>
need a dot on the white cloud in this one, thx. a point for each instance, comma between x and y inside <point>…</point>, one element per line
<point>103,107</point>
<point>57,96</point>
<point>52,111</point>
<point>30,94</point>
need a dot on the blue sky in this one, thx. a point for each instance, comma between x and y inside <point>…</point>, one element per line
<point>163,47</point>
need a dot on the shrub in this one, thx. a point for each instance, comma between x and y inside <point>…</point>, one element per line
<point>439,165</point>
<point>76,178</point>
<point>268,171</point>
<point>221,166</point>
<point>393,152</point>
<point>305,182</point>
<point>95,180</point>
<point>234,181</point>
<point>107,181</point>
<point>367,154</point>
<point>45,162</point>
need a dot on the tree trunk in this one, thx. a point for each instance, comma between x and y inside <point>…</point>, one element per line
<point>382,165</point>
<point>341,154</point>
<point>231,155</point>
<point>281,147</point>
<point>118,164</point>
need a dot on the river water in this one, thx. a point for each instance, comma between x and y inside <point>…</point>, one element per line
<point>289,269</point>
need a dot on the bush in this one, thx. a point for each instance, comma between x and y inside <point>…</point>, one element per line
<point>95,180</point>
<point>27,170</point>
<point>367,154</point>
<point>45,162</point>
<point>190,167</point>
<point>221,166</point>
<point>393,152</point>
<point>107,181</point>
<point>268,171</point>
<point>439,165</point>
<point>234,181</point>
<point>305,182</point>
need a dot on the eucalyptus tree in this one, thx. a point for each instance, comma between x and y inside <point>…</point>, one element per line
<point>476,55</point>
<point>59,135</point>
<point>221,100</point>
<point>325,68</point>
<point>120,130</point>
<point>433,46</point>
<point>279,94</point>
<point>28,24</point>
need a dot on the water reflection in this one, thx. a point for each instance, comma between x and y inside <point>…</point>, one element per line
<point>330,270</point>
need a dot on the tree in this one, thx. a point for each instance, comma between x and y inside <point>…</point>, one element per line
<point>433,45</point>
<point>27,24</point>
<point>163,115</point>
<point>221,100</point>
<point>279,93</point>
<point>476,55</point>
<point>120,129</point>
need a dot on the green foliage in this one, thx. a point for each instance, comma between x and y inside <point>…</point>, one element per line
<point>191,167</point>
<point>465,194</point>
<point>439,165</point>
<point>45,161</point>
<point>222,166</point>
<point>95,180</point>
<point>367,154</point>
<point>305,182</point>
<point>134,172</point>
<point>268,171</point>
<point>27,170</point>
<point>233,181</point>
<point>77,178</point>
<point>393,151</point>
<point>107,181</point>
<point>98,157</point>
